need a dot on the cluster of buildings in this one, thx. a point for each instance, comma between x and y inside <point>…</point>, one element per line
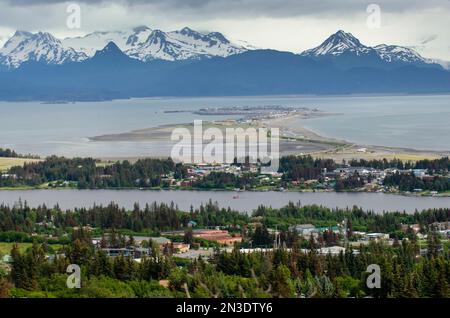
<point>142,246</point>
<point>373,178</point>
<point>219,236</point>
<point>333,250</point>
<point>222,237</point>
<point>358,237</point>
<point>308,230</point>
<point>198,171</point>
<point>442,228</point>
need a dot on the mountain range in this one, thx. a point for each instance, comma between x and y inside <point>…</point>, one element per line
<point>347,51</point>
<point>144,62</point>
<point>141,43</point>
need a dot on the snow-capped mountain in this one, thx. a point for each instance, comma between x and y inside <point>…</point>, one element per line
<point>338,44</point>
<point>93,42</point>
<point>140,43</point>
<point>146,44</point>
<point>394,53</point>
<point>183,45</point>
<point>344,45</point>
<point>40,47</point>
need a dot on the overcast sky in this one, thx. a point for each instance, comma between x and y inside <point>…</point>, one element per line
<point>291,25</point>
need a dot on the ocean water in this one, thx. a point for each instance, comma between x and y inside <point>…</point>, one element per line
<point>416,122</point>
<point>420,122</point>
<point>240,201</point>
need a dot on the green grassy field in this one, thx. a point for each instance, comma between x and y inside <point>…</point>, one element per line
<point>5,248</point>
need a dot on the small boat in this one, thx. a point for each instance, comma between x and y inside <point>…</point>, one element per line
<point>235,197</point>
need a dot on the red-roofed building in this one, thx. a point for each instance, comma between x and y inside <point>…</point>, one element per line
<point>220,236</point>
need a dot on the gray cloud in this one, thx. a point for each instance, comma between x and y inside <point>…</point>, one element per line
<point>250,8</point>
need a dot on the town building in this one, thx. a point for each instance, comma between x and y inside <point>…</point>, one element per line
<point>303,229</point>
<point>180,247</point>
<point>220,236</point>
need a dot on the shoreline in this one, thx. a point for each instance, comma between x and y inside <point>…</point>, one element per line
<point>309,191</point>
<point>297,140</point>
<point>70,101</point>
<point>347,150</point>
<point>238,201</point>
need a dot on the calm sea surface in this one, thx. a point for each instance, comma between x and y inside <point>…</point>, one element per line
<point>417,122</point>
<point>420,122</point>
<point>242,201</point>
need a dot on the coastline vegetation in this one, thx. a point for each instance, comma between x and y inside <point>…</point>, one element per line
<point>296,173</point>
<point>8,153</point>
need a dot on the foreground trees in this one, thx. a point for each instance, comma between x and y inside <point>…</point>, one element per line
<point>279,273</point>
<point>294,269</point>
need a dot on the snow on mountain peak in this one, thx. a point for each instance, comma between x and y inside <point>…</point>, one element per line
<point>156,35</point>
<point>219,36</point>
<point>43,47</point>
<point>182,45</point>
<point>140,42</point>
<point>337,44</point>
<point>95,41</point>
<point>146,44</point>
<point>342,42</point>
<point>22,33</point>
<point>394,53</point>
<point>140,35</point>
<point>188,31</point>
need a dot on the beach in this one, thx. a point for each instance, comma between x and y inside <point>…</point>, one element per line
<point>295,140</point>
